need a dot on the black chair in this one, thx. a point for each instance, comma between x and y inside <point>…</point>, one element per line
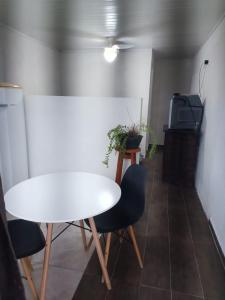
<point>127,211</point>
<point>27,239</point>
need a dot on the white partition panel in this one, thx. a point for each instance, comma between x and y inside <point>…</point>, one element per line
<point>70,133</point>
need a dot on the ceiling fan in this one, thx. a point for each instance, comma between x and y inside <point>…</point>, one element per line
<point>112,48</point>
<point>122,45</point>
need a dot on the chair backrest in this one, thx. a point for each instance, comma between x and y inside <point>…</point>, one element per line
<point>132,199</point>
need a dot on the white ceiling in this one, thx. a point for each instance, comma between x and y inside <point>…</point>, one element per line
<point>172,27</point>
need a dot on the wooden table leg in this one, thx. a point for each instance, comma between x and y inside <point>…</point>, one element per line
<point>107,249</point>
<point>83,234</point>
<point>100,254</point>
<point>119,168</point>
<point>46,262</point>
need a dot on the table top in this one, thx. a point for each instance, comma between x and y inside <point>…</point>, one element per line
<point>62,197</point>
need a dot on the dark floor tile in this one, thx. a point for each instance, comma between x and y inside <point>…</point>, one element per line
<point>200,230</point>
<point>176,201</point>
<point>178,219</point>
<point>149,293</point>
<point>93,267</point>
<point>172,221</point>
<point>142,224</point>
<point>180,296</point>
<point>150,175</point>
<point>194,210</point>
<point>155,164</point>
<point>113,254</point>
<point>193,204</point>
<point>179,226</point>
<point>159,192</point>
<point>90,287</point>
<point>174,191</point>
<point>184,271</point>
<point>156,270</point>
<point>190,193</point>
<point>158,220</point>
<point>148,194</point>
<point>127,268</point>
<point>211,271</point>
<point>122,291</point>
<point>158,178</point>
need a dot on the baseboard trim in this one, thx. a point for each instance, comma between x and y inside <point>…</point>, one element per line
<point>219,249</point>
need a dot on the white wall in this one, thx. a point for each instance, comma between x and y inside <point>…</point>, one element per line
<point>29,63</point>
<point>1,62</point>
<point>86,73</point>
<point>70,133</point>
<point>170,75</point>
<point>36,68</point>
<point>1,55</point>
<point>211,163</point>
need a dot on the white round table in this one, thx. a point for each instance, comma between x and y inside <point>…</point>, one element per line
<point>63,197</point>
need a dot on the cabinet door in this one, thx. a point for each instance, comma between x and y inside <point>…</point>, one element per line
<point>172,157</point>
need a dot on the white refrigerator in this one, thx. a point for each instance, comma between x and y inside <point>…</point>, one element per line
<point>13,142</point>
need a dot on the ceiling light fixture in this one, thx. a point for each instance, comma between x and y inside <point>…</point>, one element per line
<point>110,53</point>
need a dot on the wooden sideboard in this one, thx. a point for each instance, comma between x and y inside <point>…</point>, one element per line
<point>180,156</point>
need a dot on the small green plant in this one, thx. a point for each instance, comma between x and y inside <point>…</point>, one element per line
<point>119,135</point>
<point>150,152</point>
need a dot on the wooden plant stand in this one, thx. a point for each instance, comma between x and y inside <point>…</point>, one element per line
<point>129,154</point>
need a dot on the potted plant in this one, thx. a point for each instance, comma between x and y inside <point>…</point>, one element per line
<point>122,138</point>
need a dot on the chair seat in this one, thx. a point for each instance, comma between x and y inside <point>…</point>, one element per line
<point>27,237</point>
<point>130,207</point>
<point>114,219</point>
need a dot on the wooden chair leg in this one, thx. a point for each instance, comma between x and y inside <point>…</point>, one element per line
<point>100,254</point>
<point>83,234</point>
<point>28,263</point>
<point>107,248</point>
<point>135,245</point>
<point>27,273</point>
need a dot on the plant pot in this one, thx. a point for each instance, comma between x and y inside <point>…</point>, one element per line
<point>133,141</point>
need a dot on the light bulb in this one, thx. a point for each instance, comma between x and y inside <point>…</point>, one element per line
<point>110,53</point>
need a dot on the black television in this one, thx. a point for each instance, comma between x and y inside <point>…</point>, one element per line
<point>185,112</point>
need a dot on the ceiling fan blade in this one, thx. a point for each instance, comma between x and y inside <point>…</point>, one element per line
<point>124,46</point>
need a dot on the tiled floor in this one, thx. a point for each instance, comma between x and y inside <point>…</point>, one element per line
<point>67,264</point>
<point>180,259</point>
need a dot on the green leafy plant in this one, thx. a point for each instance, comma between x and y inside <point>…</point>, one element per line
<point>150,152</point>
<point>119,135</point>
